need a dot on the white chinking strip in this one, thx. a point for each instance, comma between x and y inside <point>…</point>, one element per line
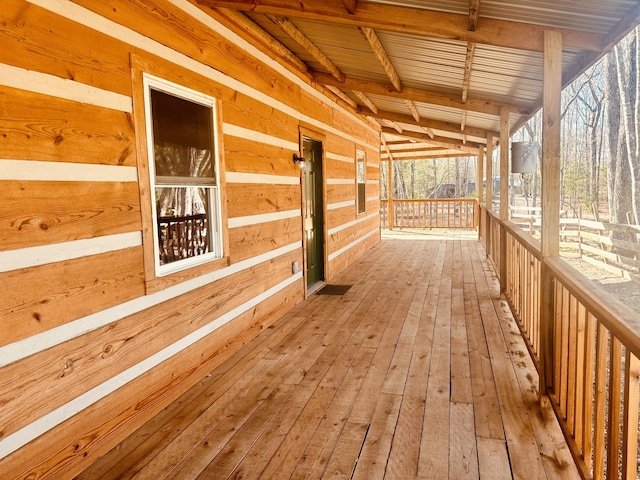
<point>36,343</point>
<point>18,439</point>
<point>337,253</point>
<point>341,181</point>
<point>262,218</point>
<point>261,178</point>
<point>48,84</point>
<point>340,158</point>
<point>241,132</point>
<point>335,206</point>
<point>65,171</point>
<point>351,224</point>
<point>59,252</point>
<point>92,20</point>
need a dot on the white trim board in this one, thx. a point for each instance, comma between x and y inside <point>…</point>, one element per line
<point>18,439</point>
<point>65,171</point>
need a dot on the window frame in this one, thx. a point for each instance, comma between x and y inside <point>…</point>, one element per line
<point>361,204</point>
<point>214,200</point>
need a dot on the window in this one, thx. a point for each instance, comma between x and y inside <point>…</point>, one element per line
<point>183,167</point>
<point>361,181</point>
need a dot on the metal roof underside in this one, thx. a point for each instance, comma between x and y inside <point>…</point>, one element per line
<point>437,71</point>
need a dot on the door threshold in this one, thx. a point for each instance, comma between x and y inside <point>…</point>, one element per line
<point>315,287</point>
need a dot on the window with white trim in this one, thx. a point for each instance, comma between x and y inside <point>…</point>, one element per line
<point>361,181</point>
<point>183,166</point>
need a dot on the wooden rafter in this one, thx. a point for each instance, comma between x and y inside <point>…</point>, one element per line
<point>417,149</point>
<point>437,141</point>
<point>429,156</point>
<point>243,23</point>
<point>341,95</point>
<point>291,30</point>
<point>420,95</point>
<point>350,5</point>
<point>429,132</point>
<point>433,124</point>
<point>393,125</point>
<point>501,33</point>
<point>468,63</point>
<point>474,14</point>
<point>383,58</point>
<point>413,109</point>
<point>366,100</point>
<point>463,121</point>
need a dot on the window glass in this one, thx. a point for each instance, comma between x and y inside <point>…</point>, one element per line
<point>361,177</point>
<point>183,176</point>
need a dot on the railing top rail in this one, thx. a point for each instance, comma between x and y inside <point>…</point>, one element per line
<point>614,315</point>
<point>434,200</point>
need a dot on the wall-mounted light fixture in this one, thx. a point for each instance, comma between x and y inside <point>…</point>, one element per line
<point>298,161</point>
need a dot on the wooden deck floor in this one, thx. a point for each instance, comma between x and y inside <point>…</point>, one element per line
<point>418,371</point>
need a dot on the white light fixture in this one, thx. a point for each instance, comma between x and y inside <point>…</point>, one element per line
<point>298,161</point>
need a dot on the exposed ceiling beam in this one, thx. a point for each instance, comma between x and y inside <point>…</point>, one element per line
<point>501,33</point>
<point>434,124</point>
<point>366,100</point>
<point>419,95</point>
<point>350,5</point>
<point>383,58</point>
<point>291,30</point>
<point>437,141</point>
<point>474,14</point>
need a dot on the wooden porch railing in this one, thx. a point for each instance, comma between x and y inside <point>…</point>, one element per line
<point>182,237</point>
<point>584,343</point>
<point>431,213</point>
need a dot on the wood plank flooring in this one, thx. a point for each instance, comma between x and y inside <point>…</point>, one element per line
<point>417,371</point>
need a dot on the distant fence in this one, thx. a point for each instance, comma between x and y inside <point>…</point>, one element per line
<point>431,213</point>
<point>610,246</point>
<point>585,344</point>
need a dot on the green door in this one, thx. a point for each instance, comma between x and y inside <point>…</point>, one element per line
<point>313,215</point>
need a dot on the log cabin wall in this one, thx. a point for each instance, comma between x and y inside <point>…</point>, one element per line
<point>92,344</point>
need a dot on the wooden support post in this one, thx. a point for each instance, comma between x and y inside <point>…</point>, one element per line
<point>480,175</point>
<point>504,194</point>
<point>489,162</point>
<point>390,192</point>
<point>504,163</point>
<point>552,84</point>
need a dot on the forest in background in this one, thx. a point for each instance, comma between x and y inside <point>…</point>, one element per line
<point>600,165</point>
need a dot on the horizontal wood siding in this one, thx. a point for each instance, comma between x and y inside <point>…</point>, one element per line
<point>88,351</point>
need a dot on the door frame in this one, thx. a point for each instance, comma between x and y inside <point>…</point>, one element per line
<point>317,136</point>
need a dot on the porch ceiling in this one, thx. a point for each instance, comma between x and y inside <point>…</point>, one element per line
<point>435,71</point>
